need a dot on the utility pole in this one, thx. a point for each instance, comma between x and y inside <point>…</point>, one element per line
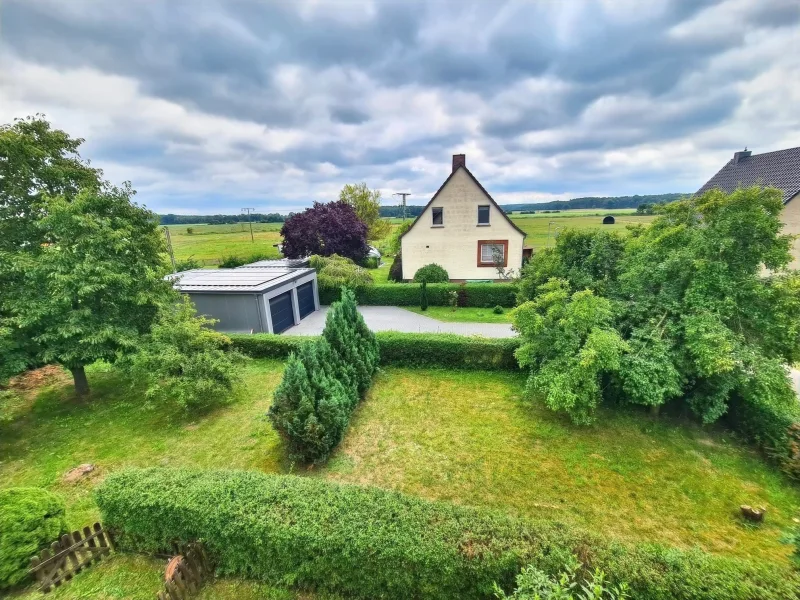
<point>169,249</point>
<point>247,210</point>
<point>403,195</point>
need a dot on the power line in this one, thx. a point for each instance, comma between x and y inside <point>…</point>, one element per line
<point>404,196</point>
<point>248,220</point>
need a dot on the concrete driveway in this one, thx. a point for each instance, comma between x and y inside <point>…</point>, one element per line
<point>393,318</point>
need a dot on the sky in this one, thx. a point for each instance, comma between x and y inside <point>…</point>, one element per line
<point>210,106</point>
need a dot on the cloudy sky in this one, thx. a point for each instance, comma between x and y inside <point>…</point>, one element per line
<point>208,106</point>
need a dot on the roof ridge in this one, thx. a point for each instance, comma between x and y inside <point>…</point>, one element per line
<point>774,152</point>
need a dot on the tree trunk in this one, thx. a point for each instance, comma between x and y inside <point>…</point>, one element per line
<point>81,383</point>
<point>655,409</point>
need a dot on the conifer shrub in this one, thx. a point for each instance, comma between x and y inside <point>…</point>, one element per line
<point>423,290</point>
<point>323,383</point>
<point>396,270</point>
<point>30,519</point>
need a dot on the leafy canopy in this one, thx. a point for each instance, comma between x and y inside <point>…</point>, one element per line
<point>682,310</point>
<point>367,204</point>
<point>431,273</point>
<point>337,271</point>
<point>325,229</point>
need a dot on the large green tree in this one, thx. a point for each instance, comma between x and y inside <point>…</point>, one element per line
<point>701,299</point>
<point>367,204</point>
<point>93,288</point>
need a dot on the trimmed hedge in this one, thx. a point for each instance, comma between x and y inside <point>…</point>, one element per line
<point>479,295</point>
<point>373,543</point>
<point>30,519</point>
<point>402,349</point>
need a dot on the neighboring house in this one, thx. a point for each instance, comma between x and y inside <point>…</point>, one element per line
<point>779,169</point>
<point>464,230</point>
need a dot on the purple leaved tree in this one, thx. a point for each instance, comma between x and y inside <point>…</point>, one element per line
<point>325,229</point>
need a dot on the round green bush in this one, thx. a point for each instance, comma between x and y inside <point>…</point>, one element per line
<point>498,310</point>
<point>30,519</point>
<point>431,273</point>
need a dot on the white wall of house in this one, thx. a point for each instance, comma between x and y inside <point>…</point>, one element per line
<point>454,244</point>
<point>791,219</point>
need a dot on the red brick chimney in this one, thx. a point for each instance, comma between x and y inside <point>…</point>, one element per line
<point>459,160</point>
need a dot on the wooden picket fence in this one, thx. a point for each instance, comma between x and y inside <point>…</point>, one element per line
<point>70,555</point>
<point>186,572</point>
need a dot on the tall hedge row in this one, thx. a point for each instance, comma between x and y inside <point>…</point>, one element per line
<point>372,543</point>
<point>322,383</point>
<point>402,349</point>
<point>481,295</point>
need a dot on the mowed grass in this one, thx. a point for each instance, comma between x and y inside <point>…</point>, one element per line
<point>212,242</point>
<point>469,438</point>
<point>466,314</point>
<point>536,226</point>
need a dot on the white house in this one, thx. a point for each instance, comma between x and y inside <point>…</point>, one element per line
<point>464,230</point>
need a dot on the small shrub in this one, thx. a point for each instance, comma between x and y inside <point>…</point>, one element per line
<point>569,584</point>
<point>182,360</point>
<point>423,290</point>
<point>498,310</point>
<point>452,299</point>
<point>431,273</point>
<point>337,272</point>
<point>187,264</point>
<point>371,262</point>
<point>231,262</point>
<point>30,519</point>
<point>190,230</point>
<point>396,270</point>
<point>365,542</point>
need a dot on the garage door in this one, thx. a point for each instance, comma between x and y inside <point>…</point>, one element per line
<point>305,299</point>
<point>280,309</point>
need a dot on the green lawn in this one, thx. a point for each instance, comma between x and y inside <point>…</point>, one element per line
<point>210,243</point>
<point>462,315</point>
<point>459,436</point>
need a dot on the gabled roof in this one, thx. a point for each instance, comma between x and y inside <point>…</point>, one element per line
<point>779,169</point>
<point>478,183</point>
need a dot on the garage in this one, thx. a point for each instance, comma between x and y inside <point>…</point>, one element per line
<point>305,299</point>
<point>280,309</point>
<point>255,298</point>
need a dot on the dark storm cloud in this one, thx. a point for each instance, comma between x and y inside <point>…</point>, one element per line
<point>333,81</point>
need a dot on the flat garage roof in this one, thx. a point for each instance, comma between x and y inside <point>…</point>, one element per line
<point>252,280</point>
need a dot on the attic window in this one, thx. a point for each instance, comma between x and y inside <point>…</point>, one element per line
<point>438,216</point>
<point>483,215</point>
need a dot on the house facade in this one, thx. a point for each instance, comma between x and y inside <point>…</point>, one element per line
<point>779,169</point>
<point>464,230</point>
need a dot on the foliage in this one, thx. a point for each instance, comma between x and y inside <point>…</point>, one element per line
<point>187,264</point>
<point>423,296</point>
<point>371,262</point>
<point>232,262</point>
<point>396,270</point>
<point>402,349</point>
<point>171,219</point>
<point>569,584</point>
<point>793,537</point>
<point>367,205</point>
<point>452,300</point>
<point>335,272</point>
<point>394,245</point>
<point>373,543</point>
<point>30,519</point>
<point>183,360</point>
<point>323,383</point>
<point>190,230</point>
<point>498,310</point>
<point>687,295</point>
<point>94,288</point>
<point>569,345</point>
<point>431,273</point>
<point>479,295</point>
<point>36,162</point>
<point>325,229</point>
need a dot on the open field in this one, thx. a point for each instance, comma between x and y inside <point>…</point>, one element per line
<point>457,436</point>
<point>212,242</point>
<point>537,227</point>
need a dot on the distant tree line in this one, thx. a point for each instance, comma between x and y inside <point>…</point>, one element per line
<point>220,219</point>
<point>557,205</point>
